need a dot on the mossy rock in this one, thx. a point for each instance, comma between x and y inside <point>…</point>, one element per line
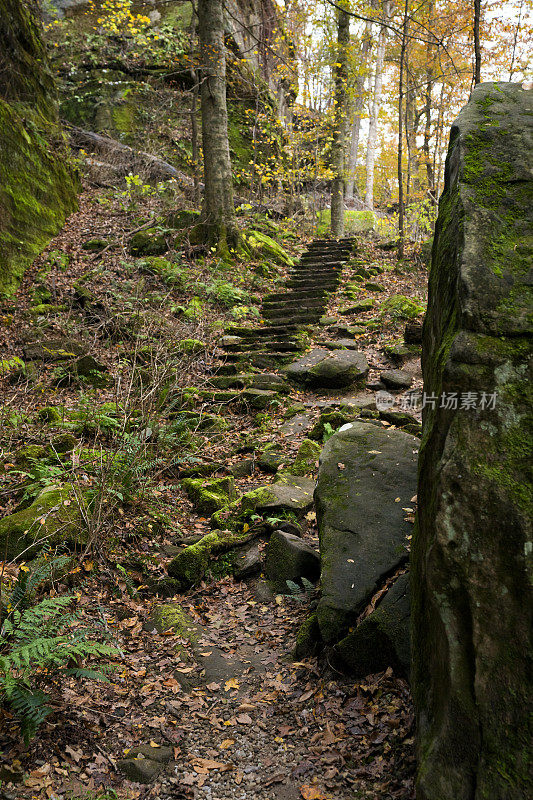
<point>306,460</point>
<point>54,517</point>
<point>308,638</point>
<point>184,218</point>
<point>191,347</point>
<point>333,419</point>
<point>272,457</point>
<point>289,494</point>
<point>258,244</point>
<point>363,305</point>
<point>37,184</point>
<point>29,455</point>
<point>209,496</point>
<point>370,286</point>
<point>191,565</point>
<point>62,444</point>
<point>150,242</point>
<point>172,617</point>
<point>398,306</point>
<point>46,310</point>
<point>95,245</point>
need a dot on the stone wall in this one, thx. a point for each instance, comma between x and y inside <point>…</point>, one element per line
<point>471,558</point>
<point>37,189</point>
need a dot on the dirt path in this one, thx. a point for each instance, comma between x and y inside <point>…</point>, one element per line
<point>208,701</point>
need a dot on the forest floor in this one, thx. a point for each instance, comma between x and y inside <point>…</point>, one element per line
<point>218,702</point>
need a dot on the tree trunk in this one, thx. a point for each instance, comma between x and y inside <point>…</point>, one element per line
<point>403,49</point>
<point>217,211</point>
<point>477,44</point>
<point>359,93</point>
<point>194,109</point>
<point>376,103</point>
<point>337,149</point>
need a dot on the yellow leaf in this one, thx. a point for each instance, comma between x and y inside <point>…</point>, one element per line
<point>226,743</point>
<point>231,684</point>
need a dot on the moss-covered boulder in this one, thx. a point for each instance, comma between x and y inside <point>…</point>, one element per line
<point>289,494</point>
<point>191,347</point>
<point>306,461</point>
<point>472,546</point>
<point>259,245</point>
<point>272,457</point>
<point>150,242</point>
<point>54,517</point>
<point>209,496</point>
<point>327,369</point>
<point>330,421</point>
<point>289,558</point>
<point>37,186</point>
<point>367,476</point>
<point>195,561</point>
<point>398,306</point>
<point>171,617</point>
<point>184,218</point>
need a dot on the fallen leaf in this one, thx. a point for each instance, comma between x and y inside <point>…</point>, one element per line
<point>231,684</point>
<point>312,793</point>
<point>226,743</point>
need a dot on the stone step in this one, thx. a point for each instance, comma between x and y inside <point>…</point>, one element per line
<point>293,312</point>
<point>245,332</point>
<point>326,258</point>
<point>302,294</point>
<point>272,344</point>
<point>294,303</point>
<point>317,267</point>
<point>262,360</point>
<point>308,319</point>
<point>329,285</point>
<point>314,273</point>
<point>340,248</point>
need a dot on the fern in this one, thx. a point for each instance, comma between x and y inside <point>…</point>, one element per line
<point>40,642</point>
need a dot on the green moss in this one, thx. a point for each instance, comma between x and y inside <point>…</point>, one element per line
<point>306,459</point>
<point>398,306</point>
<point>149,242</point>
<point>195,561</point>
<point>171,616</point>
<point>54,517</point>
<point>191,346</point>
<point>209,496</point>
<point>308,638</point>
<point>37,190</point>
<point>258,244</point>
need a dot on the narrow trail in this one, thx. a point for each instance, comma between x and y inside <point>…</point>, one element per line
<point>303,302</point>
<point>210,701</point>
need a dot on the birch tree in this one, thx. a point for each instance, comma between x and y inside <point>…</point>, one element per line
<point>357,106</point>
<point>376,104</point>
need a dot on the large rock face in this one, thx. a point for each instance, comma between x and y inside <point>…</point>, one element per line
<point>367,477</point>
<point>37,190</point>
<point>472,549</point>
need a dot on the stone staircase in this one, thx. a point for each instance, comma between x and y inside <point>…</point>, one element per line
<point>288,313</point>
